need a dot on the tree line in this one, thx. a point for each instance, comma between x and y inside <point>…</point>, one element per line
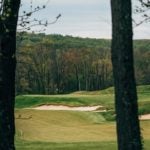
<point>52,64</point>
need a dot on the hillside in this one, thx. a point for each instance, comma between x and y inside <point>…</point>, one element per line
<point>56,64</point>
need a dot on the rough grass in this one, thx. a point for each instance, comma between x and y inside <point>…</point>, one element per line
<point>110,90</point>
<point>83,98</point>
<point>24,101</point>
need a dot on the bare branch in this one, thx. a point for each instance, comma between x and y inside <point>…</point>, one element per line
<point>141,22</point>
<point>26,22</point>
<point>145,3</point>
<point>143,12</point>
<point>46,23</point>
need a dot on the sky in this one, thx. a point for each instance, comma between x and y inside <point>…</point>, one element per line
<point>82,18</point>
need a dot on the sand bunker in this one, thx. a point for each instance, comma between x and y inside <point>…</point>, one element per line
<point>61,107</point>
<point>97,108</point>
<point>145,117</point>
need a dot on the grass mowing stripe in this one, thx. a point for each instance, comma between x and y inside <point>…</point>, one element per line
<point>24,145</point>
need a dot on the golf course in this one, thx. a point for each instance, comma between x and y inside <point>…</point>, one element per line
<point>76,121</point>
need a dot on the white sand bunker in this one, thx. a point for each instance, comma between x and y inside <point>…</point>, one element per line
<point>61,107</point>
<point>145,117</point>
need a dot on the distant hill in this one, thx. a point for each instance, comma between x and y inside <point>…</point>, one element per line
<point>62,64</point>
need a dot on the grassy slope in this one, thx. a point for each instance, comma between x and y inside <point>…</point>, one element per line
<point>70,100</point>
<point>67,130</point>
<point>63,126</point>
<point>83,98</point>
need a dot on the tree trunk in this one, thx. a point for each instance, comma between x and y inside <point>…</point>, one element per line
<point>128,130</point>
<point>7,73</point>
<point>77,77</point>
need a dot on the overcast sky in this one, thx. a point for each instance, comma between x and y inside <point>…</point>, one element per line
<point>83,18</point>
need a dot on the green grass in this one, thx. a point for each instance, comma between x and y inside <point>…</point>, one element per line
<point>24,101</point>
<point>63,126</point>
<point>83,98</point>
<point>144,108</point>
<point>109,116</point>
<point>110,90</point>
<point>143,89</point>
<point>24,145</point>
<point>71,130</point>
<point>67,130</point>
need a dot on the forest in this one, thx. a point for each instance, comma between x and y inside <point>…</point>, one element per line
<point>53,64</point>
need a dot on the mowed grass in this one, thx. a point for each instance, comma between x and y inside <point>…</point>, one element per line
<point>67,130</point>
<point>63,130</point>
<point>63,126</point>
<point>83,98</point>
<point>72,130</point>
<point>67,146</point>
<point>24,145</point>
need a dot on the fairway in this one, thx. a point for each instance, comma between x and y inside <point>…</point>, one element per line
<point>71,130</point>
<point>64,126</point>
<point>60,127</point>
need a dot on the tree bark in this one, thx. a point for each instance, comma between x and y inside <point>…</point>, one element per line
<point>8,24</point>
<point>128,130</point>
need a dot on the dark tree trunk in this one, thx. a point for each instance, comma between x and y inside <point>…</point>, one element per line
<point>128,129</point>
<point>7,73</point>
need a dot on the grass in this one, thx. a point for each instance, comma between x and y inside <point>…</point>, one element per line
<point>24,145</point>
<point>144,108</point>
<point>63,126</point>
<point>67,130</point>
<point>24,101</point>
<point>83,98</point>
<point>71,130</point>
<point>110,90</point>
